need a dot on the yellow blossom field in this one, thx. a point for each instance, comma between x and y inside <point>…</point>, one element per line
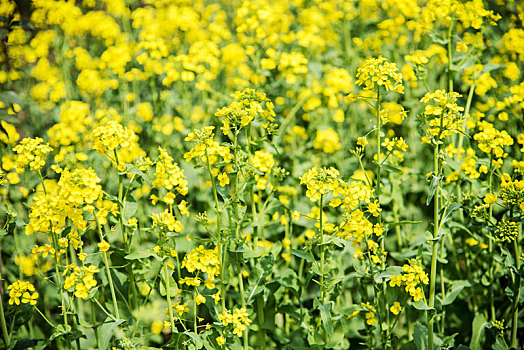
<point>293,174</point>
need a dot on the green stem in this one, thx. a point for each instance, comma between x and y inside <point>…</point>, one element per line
<point>59,276</point>
<point>42,181</point>
<point>379,126</point>
<point>379,219</point>
<point>322,251</point>
<point>450,71</point>
<point>108,271</point>
<point>490,247</point>
<point>516,291</point>
<point>168,294</point>
<point>442,288</point>
<point>243,303</point>
<point>219,234</point>
<point>195,306</point>
<point>95,324</point>
<point>45,318</point>
<point>433,273</point>
<point>7,339</point>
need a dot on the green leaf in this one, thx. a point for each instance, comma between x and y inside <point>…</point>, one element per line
<point>390,271</point>
<point>3,232</point>
<point>10,98</point>
<point>432,188</point>
<point>141,254</point>
<point>456,288</point>
<point>404,222</point>
<point>337,339</point>
<point>173,288</point>
<point>420,305</point>
<point>106,332</point>
<point>479,323</point>
<point>303,255</point>
<point>391,168</point>
<point>288,279</point>
<point>258,275</point>
<point>420,336</point>
<point>130,210</point>
<point>196,338</point>
<point>327,322</point>
<point>60,331</point>
<point>26,343</point>
<point>452,208</point>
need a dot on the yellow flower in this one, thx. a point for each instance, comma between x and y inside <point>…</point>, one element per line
<point>8,133</point>
<point>223,179</point>
<point>183,208</point>
<point>462,47</point>
<point>362,142</point>
<point>379,72</point>
<point>263,161</point>
<point>327,140</point>
<point>156,327</point>
<point>32,152</point>
<point>103,246</point>
<point>490,198</point>
<point>221,340</point>
<point>374,208</point>
<point>132,222</point>
<point>295,215</point>
<point>200,299</point>
<point>168,175</point>
<point>396,308</point>
<point>22,292</point>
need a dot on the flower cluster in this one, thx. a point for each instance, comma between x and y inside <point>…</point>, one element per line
<point>206,149</point>
<point>80,186</point>
<point>512,191</point>
<point>263,161</point>
<point>443,116</point>
<point>319,182</point>
<point>370,313</point>
<point>492,141</point>
<point>75,192</point>
<point>81,279</point>
<point>396,146</point>
<point>248,105</point>
<point>203,260</point>
<point>32,152</point>
<point>327,141</point>
<point>507,231</point>
<point>22,292</point>
<point>111,136</point>
<point>376,72</point>
<point>166,221</point>
<point>239,319</point>
<point>412,278</point>
<point>168,175</point>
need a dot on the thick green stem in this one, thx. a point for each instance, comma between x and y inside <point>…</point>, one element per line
<point>433,273</point>
<point>121,206</point>
<point>379,126</point>
<point>516,291</point>
<point>490,247</point>
<point>59,276</point>
<point>95,324</point>
<point>7,339</point>
<point>108,271</point>
<point>322,251</point>
<point>450,66</point>
<point>218,233</point>
<point>237,230</point>
<point>379,219</point>
<point>168,294</point>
